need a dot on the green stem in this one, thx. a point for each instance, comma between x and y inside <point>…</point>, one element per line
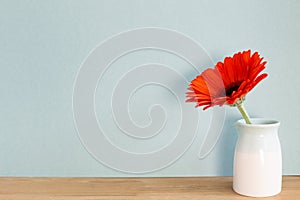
<point>244,113</point>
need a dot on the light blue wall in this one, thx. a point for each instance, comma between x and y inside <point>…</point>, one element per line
<point>43,44</point>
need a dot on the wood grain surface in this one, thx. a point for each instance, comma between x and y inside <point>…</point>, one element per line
<point>206,188</point>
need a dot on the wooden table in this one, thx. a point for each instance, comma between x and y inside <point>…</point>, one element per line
<point>206,188</point>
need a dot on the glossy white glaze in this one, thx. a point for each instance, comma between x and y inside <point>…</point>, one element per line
<point>257,160</point>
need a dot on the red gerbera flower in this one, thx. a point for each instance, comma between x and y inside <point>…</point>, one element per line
<point>229,82</point>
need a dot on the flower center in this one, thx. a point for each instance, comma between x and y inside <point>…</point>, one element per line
<point>232,89</point>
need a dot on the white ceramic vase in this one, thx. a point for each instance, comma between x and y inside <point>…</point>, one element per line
<point>257,169</point>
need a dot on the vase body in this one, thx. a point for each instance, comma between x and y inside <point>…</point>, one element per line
<point>257,169</point>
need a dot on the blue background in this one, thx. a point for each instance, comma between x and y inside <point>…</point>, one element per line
<point>43,44</point>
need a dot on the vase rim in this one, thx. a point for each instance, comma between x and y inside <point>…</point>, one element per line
<point>259,122</point>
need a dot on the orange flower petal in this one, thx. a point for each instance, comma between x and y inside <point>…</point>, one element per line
<point>228,81</point>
